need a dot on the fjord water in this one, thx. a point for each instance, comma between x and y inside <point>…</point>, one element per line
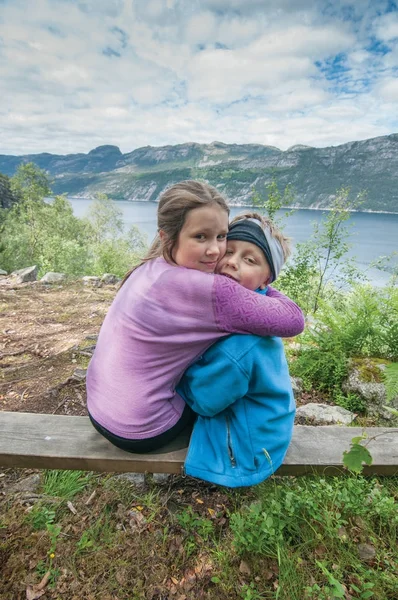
<point>371,234</point>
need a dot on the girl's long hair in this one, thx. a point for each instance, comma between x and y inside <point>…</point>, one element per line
<point>174,205</point>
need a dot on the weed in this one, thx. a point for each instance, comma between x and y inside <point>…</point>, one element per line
<point>97,535</point>
<point>85,543</point>
<point>40,516</point>
<point>64,484</point>
<point>42,568</point>
<point>192,523</point>
<point>195,527</point>
<point>250,592</point>
<point>351,402</point>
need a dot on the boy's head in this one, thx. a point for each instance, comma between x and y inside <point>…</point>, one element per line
<point>256,251</point>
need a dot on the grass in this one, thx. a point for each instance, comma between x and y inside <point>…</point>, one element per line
<point>288,539</point>
<point>64,484</point>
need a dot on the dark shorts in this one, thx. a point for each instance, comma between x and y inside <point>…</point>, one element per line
<point>148,444</point>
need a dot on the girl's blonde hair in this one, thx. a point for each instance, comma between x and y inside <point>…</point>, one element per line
<point>174,205</point>
<point>272,228</point>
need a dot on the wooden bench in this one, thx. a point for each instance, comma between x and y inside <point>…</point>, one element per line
<point>40,441</point>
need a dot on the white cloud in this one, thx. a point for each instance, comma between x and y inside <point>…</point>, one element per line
<point>386,27</point>
<point>76,74</point>
<point>388,90</point>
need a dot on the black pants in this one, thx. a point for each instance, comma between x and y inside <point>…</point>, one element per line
<point>149,444</point>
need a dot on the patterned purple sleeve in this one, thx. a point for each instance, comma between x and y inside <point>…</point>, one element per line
<point>239,310</point>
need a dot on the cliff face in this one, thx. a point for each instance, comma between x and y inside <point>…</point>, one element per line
<point>314,173</point>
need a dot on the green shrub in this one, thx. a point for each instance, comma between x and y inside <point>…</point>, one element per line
<point>51,237</point>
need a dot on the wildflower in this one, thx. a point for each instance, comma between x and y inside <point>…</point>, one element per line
<point>52,555</point>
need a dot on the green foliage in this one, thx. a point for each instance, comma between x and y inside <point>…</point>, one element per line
<point>312,526</point>
<point>250,592</point>
<point>358,454</point>
<point>193,523</point>
<point>320,268</point>
<point>7,196</point>
<point>273,201</point>
<point>99,534</point>
<point>40,516</point>
<point>391,381</point>
<point>111,249</point>
<point>35,232</point>
<point>48,234</point>
<point>351,402</point>
<point>65,484</point>
<point>362,323</point>
<point>321,363</point>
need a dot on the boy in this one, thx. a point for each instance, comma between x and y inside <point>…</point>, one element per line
<point>240,388</point>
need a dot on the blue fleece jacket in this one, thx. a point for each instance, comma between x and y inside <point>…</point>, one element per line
<point>241,390</point>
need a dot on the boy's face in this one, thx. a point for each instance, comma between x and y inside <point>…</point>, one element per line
<point>245,263</point>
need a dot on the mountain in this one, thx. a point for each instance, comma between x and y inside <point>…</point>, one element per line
<point>369,166</point>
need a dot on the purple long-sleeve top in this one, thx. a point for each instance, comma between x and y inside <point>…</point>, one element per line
<point>160,321</point>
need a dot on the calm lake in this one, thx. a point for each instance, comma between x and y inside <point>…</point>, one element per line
<point>371,235</point>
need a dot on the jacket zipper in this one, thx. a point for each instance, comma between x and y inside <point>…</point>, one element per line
<point>229,443</point>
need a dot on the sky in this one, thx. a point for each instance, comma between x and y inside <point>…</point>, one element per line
<point>77,74</point>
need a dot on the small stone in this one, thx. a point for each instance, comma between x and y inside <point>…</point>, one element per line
<point>25,275</point>
<point>244,568</point>
<point>28,484</point>
<point>51,277</point>
<point>324,414</point>
<point>373,392</point>
<point>92,337</point>
<point>137,479</point>
<point>3,272</point>
<point>297,385</point>
<point>366,552</point>
<point>91,280</point>
<point>109,279</point>
<point>160,478</point>
<point>79,374</point>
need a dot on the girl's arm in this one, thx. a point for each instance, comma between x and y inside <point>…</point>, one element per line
<point>239,310</point>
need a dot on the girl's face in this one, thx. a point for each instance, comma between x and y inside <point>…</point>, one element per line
<point>203,239</point>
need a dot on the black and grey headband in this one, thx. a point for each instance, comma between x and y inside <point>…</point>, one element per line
<point>251,230</point>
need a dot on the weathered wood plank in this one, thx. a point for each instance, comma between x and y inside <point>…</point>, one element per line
<point>61,442</point>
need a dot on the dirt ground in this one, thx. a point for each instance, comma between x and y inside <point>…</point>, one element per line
<point>47,335</point>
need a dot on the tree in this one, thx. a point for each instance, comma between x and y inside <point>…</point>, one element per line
<point>31,185</point>
<point>322,260</point>
<point>274,201</point>
<point>111,248</point>
<point>38,232</point>
<point>7,196</point>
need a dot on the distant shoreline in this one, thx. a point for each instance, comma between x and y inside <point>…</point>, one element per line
<point>367,211</point>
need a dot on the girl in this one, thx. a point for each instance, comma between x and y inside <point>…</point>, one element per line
<point>169,310</point>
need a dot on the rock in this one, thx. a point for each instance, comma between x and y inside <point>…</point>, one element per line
<point>323,414</point>
<point>244,568</point>
<point>28,484</point>
<point>137,479</point>
<point>53,277</point>
<point>80,374</point>
<point>364,380</point>
<point>366,552</point>
<point>297,385</point>
<point>25,275</point>
<point>109,279</point>
<point>3,272</point>
<point>160,478</point>
<point>91,280</point>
